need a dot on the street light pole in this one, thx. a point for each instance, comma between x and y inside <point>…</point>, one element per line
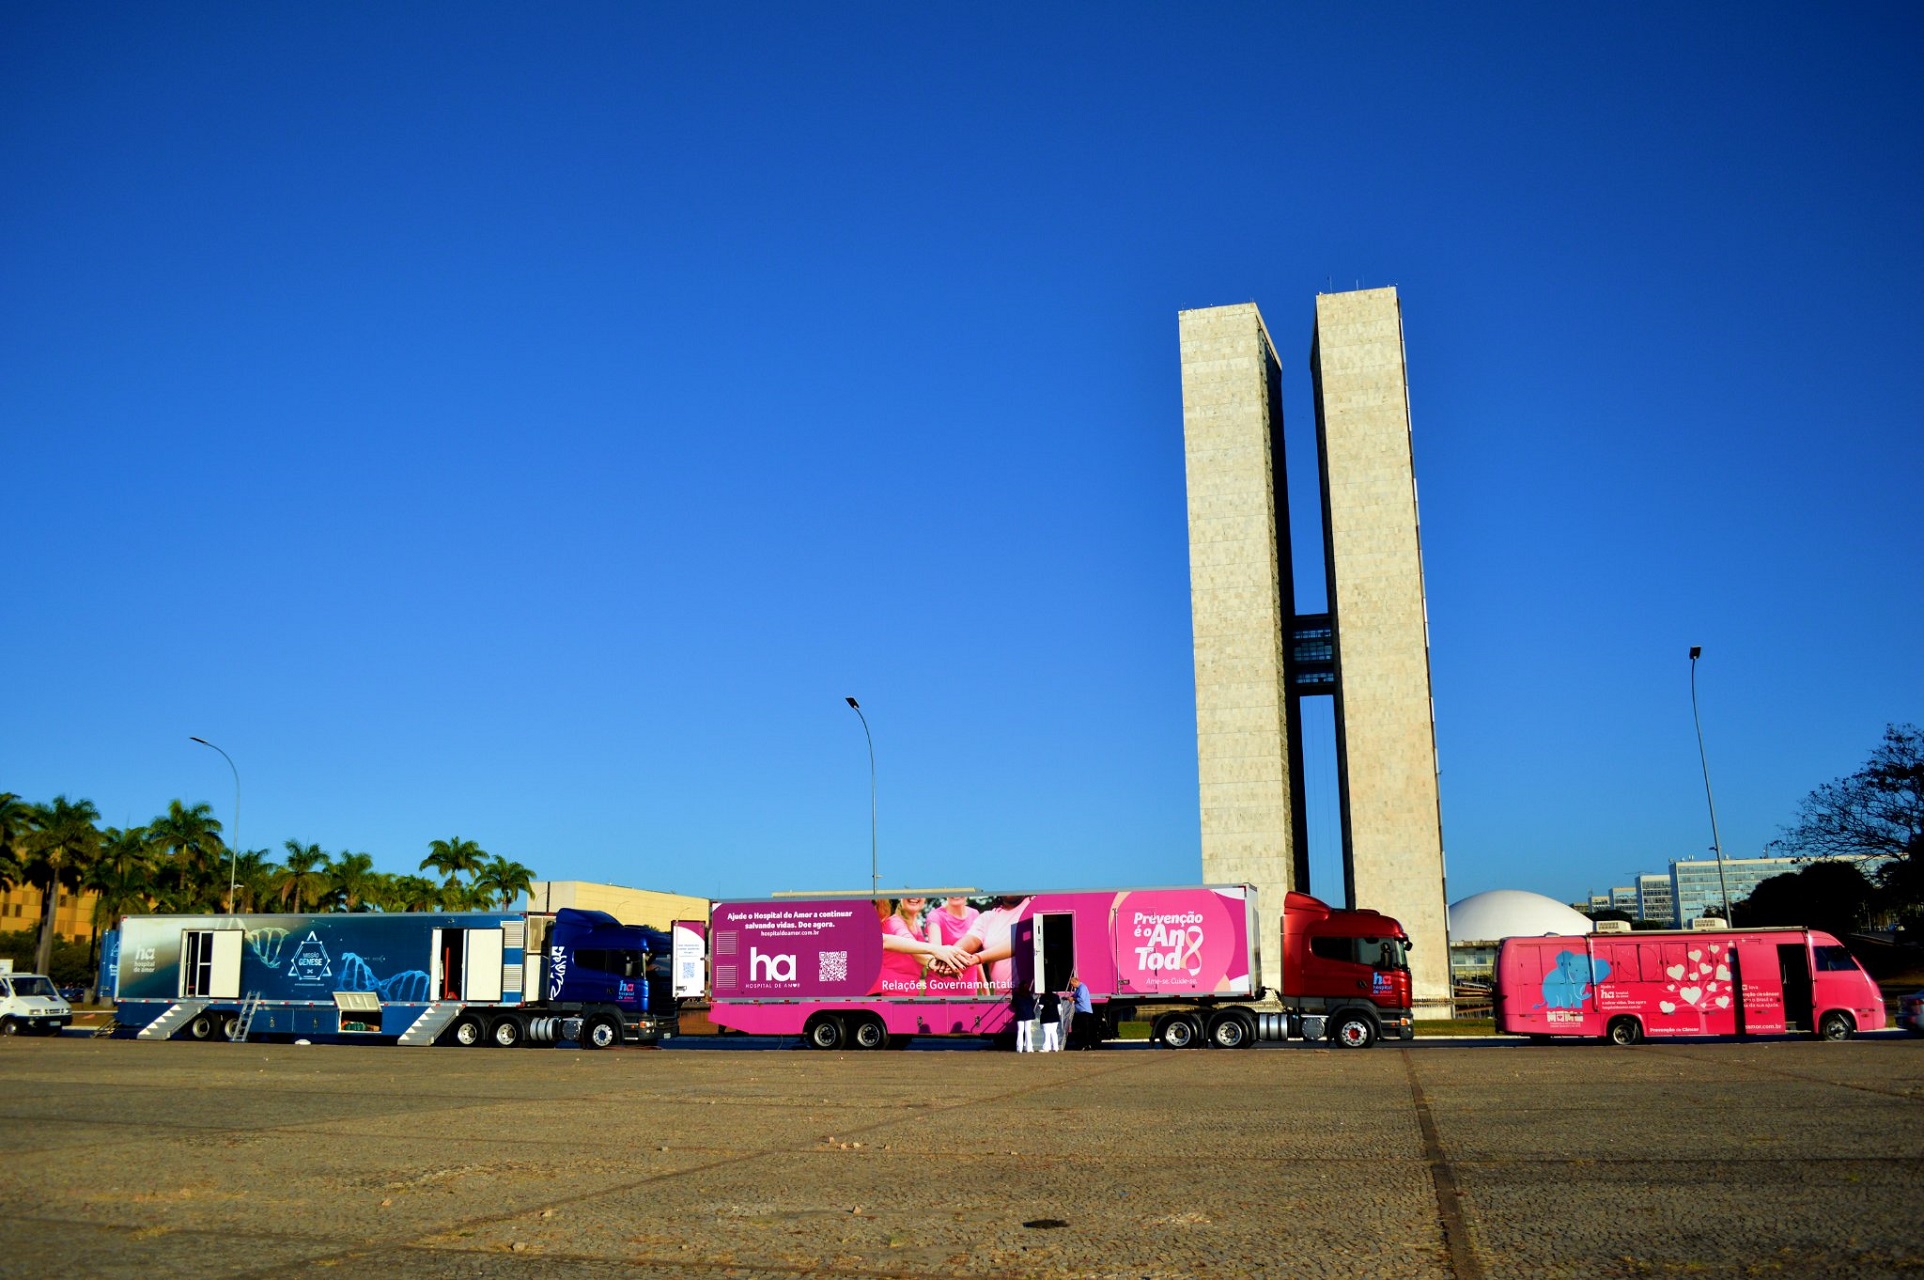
<point>1696,652</point>
<point>874,875</point>
<point>233,849</point>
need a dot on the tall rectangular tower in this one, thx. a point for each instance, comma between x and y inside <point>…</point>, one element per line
<point>1385,725</point>
<point>1241,598</point>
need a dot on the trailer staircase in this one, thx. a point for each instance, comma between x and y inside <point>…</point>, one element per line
<point>245,1023</point>
<point>176,1017</point>
<point>433,1021</point>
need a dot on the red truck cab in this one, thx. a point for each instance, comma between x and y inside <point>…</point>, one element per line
<point>1346,974</point>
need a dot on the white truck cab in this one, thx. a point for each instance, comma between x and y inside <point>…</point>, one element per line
<point>29,1003</point>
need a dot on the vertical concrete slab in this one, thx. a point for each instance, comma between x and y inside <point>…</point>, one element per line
<point>1385,728</point>
<point>1241,595</point>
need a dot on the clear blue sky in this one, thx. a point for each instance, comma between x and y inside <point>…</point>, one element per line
<point>529,425</point>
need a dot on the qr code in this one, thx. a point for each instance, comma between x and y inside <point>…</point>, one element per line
<point>834,967</point>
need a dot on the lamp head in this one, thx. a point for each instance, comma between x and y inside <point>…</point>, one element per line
<point>203,742</point>
<point>1696,652</point>
<point>853,703</point>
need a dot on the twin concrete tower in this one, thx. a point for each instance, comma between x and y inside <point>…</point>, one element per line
<point>1257,658</point>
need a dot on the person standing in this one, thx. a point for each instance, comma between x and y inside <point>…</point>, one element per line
<point>1022,1009</point>
<point>1051,1015</point>
<point>1083,1033</point>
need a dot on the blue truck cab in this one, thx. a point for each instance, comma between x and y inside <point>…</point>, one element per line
<point>594,960</point>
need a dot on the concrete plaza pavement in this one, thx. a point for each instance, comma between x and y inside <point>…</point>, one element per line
<point>1445,1159</point>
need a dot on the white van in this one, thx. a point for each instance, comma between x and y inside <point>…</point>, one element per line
<point>29,1003</point>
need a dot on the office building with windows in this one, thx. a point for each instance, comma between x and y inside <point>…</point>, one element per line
<point>1654,900</point>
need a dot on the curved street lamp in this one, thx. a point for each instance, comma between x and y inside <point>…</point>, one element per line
<point>233,850</point>
<point>1696,652</point>
<point>874,875</point>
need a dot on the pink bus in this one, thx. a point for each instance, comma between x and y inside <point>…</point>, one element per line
<point>1622,987</point>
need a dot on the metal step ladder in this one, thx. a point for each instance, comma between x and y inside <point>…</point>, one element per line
<point>176,1017</point>
<point>249,1007</point>
<point>433,1021</point>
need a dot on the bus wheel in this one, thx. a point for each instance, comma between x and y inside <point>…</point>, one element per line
<point>1230,1031</point>
<point>824,1031</point>
<point>507,1033</point>
<point>600,1032</point>
<point>869,1033</point>
<point>1836,1025</point>
<point>1352,1031</point>
<point>467,1031</point>
<point>1623,1031</point>
<point>1177,1031</point>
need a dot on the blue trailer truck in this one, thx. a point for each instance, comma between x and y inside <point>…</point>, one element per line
<point>469,978</point>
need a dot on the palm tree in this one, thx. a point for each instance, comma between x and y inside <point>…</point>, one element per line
<point>255,879</point>
<point>453,858</point>
<point>122,879</point>
<point>504,879</point>
<point>59,850</point>
<point>304,876</point>
<point>16,820</point>
<point>416,893</point>
<point>190,836</point>
<point>352,876</point>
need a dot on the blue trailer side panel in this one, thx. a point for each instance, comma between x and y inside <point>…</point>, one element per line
<point>307,958</point>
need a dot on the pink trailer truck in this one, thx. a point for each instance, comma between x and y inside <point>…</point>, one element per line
<point>1623,987</point>
<point>872,972</point>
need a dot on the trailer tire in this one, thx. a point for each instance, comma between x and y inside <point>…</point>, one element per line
<point>824,1031</point>
<point>869,1033</point>
<point>467,1032</point>
<point>230,1028</point>
<point>1177,1031</point>
<point>1352,1031</point>
<point>1623,1031</point>
<point>600,1032</point>
<point>1836,1025</point>
<point>507,1033</point>
<point>201,1028</point>
<point>1231,1031</point>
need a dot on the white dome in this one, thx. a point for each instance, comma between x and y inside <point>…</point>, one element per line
<point>1512,913</point>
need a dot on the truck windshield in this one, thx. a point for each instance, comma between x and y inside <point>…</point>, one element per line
<point>1385,953</point>
<point>41,987</point>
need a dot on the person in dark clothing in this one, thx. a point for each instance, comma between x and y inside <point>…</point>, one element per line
<point>1023,1009</point>
<point>1085,1030</point>
<point>1049,1010</point>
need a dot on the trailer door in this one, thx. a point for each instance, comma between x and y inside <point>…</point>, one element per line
<point>210,963</point>
<point>482,965</point>
<point>1055,950</point>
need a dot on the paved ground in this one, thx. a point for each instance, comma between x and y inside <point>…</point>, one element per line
<point>1446,1160</point>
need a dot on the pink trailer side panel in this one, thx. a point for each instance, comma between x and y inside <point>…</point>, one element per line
<point>947,966</point>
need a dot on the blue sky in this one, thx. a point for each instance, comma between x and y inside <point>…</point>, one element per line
<point>530,426</point>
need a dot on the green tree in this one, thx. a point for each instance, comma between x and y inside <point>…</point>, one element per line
<point>304,876</point>
<point>505,880</point>
<point>352,876</point>
<point>16,820</point>
<point>256,879</point>
<point>122,877</point>
<point>416,893</point>
<point>454,858</point>
<point>1876,812</point>
<point>1832,896</point>
<point>189,836</point>
<point>59,850</point>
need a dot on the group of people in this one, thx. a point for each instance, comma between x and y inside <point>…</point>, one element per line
<point>1048,1015</point>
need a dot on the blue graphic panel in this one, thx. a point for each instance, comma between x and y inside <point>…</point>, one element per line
<point>1566,985</point>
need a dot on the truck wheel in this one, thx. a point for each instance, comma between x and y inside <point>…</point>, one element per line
<point>1230,1031</point>
<point>467,1031</point>
<point>600,1032</point>
<point>824,1031</point>
<point>8,1027</point>
<point>230,1028</point>
<point>1623,1031</point>
<point>201,1028</point>
<point>507,1033</point>
<point>1352,1031</point>
<point>869,1033</point>
<point>1178,1031</point>
<point>1836,1025</point>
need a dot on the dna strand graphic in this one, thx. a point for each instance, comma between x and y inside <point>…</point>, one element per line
<point>410,986</point>
<point>267,942</point>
